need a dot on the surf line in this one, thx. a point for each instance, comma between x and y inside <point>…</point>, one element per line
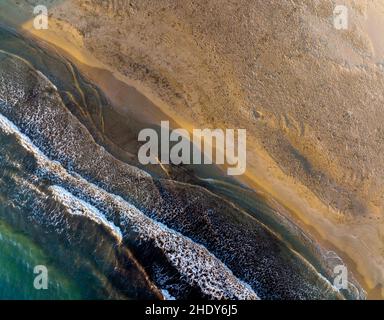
<point>178,147</point>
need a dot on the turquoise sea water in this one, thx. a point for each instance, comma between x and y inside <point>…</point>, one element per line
<point>18,257</point>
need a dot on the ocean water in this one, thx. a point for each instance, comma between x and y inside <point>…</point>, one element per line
<point>105,228</point>
<point>17,259</point>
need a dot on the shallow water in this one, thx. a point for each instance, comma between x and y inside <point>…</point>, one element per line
<point>104,228</point>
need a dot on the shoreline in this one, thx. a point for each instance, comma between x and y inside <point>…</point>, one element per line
<point>279,190</point>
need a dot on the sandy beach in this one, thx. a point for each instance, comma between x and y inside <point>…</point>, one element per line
<point>357,238</point>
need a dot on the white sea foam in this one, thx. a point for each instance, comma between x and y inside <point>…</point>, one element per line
<point>167,295</point>
<point>194,262</point>
<point>79,207</point>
